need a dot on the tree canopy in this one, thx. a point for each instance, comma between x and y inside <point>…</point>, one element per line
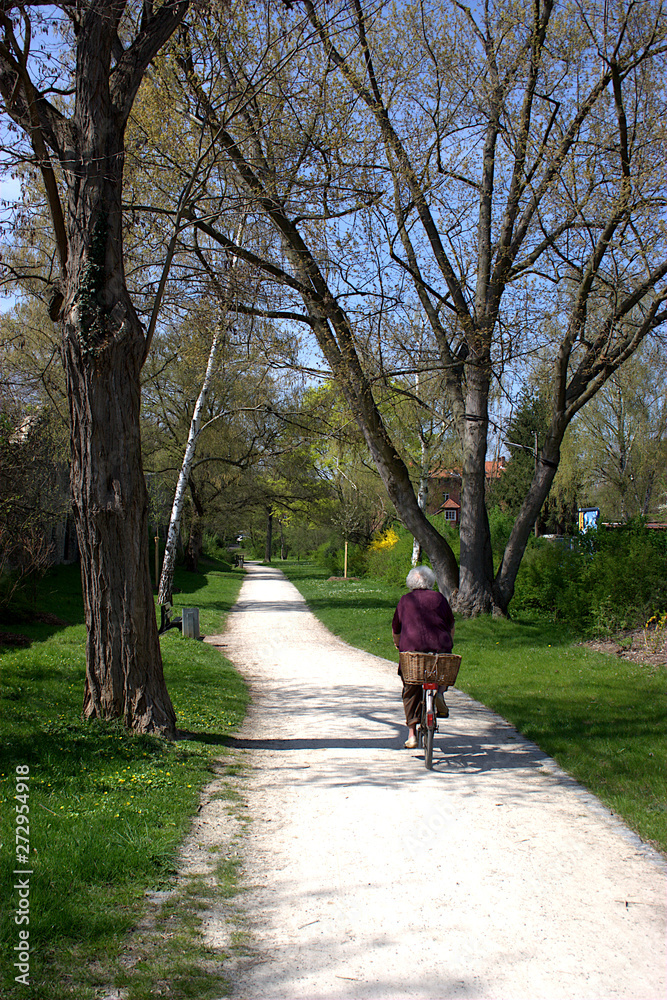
<point>499,180</point>
<point>431,205</point>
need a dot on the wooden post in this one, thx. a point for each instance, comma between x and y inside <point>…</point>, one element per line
<point>345,567</point>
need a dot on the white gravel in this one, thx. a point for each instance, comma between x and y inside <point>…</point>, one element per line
<point>493,876</point>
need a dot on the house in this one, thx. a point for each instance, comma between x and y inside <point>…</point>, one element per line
<point>452,511</point>
<point>444,489</point>
<point>495,469</point>
<point>444,494</point>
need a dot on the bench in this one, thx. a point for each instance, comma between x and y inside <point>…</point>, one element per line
<point>166,621</point>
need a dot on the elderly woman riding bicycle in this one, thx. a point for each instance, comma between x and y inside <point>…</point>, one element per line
<point>423,622</point>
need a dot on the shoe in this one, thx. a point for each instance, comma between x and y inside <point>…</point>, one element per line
<point>411,743</point>
<point>441,709</point>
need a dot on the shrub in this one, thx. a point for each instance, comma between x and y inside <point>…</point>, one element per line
<point>448,532</point>
<point>215,548</point>
<point>549,580</point>
<point>500,526</point>
<point>389,556</point>
<point>611,579</point>
<point>331,557</point>
<point>626,578</point>
<point>385,540</point>
<point>390,562</point>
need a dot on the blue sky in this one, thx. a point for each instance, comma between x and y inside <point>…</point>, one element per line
<point>9,191</point>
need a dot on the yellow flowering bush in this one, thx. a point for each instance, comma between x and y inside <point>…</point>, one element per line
<point>386,540</point>
<point>655,632</point>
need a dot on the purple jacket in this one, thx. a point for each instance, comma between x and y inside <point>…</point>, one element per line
<point>423,621</point>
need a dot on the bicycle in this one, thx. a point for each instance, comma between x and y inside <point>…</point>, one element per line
<point>429,726</point>
<point>431,670</point>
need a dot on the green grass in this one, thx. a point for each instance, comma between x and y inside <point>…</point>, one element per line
<point>108,809</point>
<point>602,718</point>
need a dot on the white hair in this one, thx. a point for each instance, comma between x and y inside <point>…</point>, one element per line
<point>420,578</point>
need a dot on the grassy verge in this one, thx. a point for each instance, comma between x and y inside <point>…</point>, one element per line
<point>107,810</point>
<point>602,718</point>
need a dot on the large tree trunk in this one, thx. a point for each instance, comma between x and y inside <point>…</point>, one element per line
<point>543,477</point>
<point>475,595</point>
<point>124,677</point>
<point>422,495</point>
<point>104,349</point>
<point>104,346</point>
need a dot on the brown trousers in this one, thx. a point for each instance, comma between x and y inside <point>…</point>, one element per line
<point>412,703</point>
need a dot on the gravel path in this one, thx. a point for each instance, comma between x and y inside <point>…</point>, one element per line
<point>493,876</point>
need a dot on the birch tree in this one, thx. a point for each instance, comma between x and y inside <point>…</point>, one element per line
<point>173,531</point>
<point>196,424</point>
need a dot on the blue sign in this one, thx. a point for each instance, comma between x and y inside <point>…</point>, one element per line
<point>588,518</point>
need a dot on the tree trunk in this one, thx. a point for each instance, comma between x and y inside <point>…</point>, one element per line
<point>475,595</point>
<point>422,496</point>
<point>169,561</point>
<point>124,677</point>
<point>104,349</point>
<point>269,538</point>
<point>648,492</point>
<point>103,343</point>
<point>543,477</point>
<point>194,546</point>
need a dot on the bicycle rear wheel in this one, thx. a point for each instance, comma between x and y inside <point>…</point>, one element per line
<point>428,749</point>
<point>428,727</point>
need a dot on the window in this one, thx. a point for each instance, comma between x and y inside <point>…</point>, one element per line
<point>445,497</point>
<point>450,515</point>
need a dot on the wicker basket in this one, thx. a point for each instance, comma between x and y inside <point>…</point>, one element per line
<point>434,668</point>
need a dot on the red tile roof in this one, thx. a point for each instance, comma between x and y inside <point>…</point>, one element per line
<point>493,470</point>
<point>445,474</point>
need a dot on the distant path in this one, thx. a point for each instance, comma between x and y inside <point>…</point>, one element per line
<point>493,876</point>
